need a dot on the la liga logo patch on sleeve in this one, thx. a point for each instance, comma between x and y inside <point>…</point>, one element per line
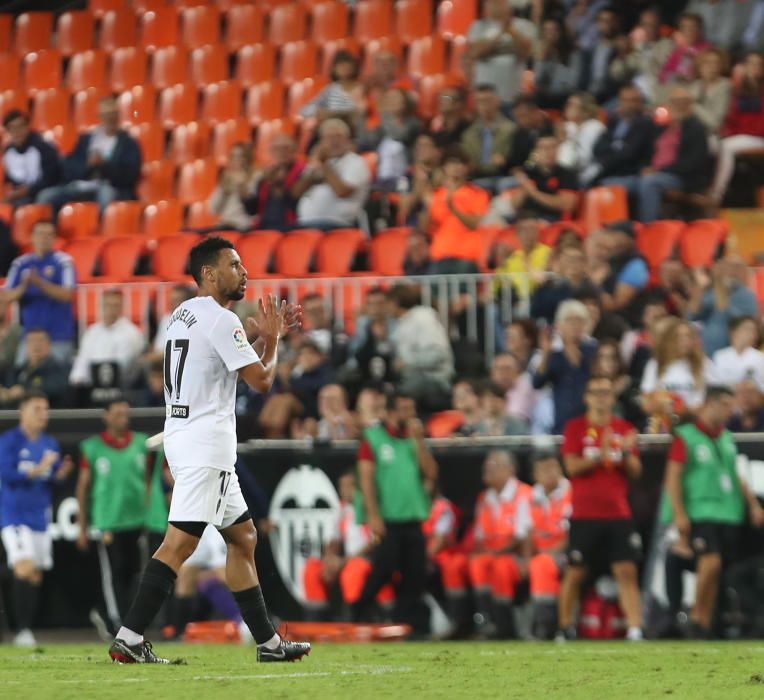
<point>240,339</point>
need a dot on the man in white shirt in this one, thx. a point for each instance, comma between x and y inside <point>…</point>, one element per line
<point>741,360</point>
<point>335,184</point>
<point>206,353</point>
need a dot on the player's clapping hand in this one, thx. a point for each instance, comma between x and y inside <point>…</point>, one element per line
<point>269,320</point>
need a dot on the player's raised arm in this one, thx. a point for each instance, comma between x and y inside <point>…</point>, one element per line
<point>271,322</point>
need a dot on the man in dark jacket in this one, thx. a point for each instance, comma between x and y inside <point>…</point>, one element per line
<point>30,163</point>
<point>104,166</point>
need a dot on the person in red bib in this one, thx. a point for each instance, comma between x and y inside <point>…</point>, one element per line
<point>344,560</point>
<point>499,544</point>
<point>550,508</point>
<point>600,454</point>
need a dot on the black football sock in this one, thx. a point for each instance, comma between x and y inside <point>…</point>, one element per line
<point>25,596</point>
<point>184,613</point>
<point>255,614</point>
<point>156,584</point>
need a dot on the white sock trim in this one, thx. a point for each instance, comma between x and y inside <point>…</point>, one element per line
<point>272,643</point>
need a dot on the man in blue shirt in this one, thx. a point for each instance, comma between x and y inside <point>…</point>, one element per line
<point>30,462</point>
<point>624,289</point>
<point>43,283</point>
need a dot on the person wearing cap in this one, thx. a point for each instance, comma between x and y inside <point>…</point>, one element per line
<point>624,289</point>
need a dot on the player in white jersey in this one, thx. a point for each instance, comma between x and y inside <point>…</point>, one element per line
<point>206,352</point>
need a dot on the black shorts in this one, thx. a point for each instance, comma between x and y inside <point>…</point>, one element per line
<point>707,537</point>
<point>598,542</point>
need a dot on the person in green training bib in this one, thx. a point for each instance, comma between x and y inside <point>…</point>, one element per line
<point>112,497</point>
<point>393,466</point>
<point>706,500</point>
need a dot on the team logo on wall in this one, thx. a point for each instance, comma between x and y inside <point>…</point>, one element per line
<point>305,507</point>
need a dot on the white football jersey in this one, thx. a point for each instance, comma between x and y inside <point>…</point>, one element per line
<point>205,347</point>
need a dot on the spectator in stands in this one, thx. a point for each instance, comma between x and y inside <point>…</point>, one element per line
<point>273,205</point>
<point>344,96</point>
<point>230,201</point>
<point>104,166</point>
<point>500,45</point>
<point>596,76</point>
<point>488,140</point>
<point>109,350</point>
<point>153,394</point>
<point>417,260</point>
<point>571,280</point>
<point>720,300</point>
<point>10,335</point>
<point>311,372</point>
<point>566,370</point>
<point>453,216</point>
<point>335,421</point>
<point>743,128</point>
<point>178,294</point>
<point>451,120</point>
<point>579,131</point>
<point>519,398</point>
<point>637,345</point>
<point>532,123</point>
<point>749,408</point>
<point>334,185</point>
<point>528,264</point>
<point>385,73</point>
<point>689,41</point>
<point>375,308</point>
<point>43,283</point>
<point>30,163</point>
<point>318,327</point>
<point>675,379</point>
<point>711,90</point>
<point>464,399</point>
<point>41,371</point>
<point>369,407</point>
<point>556,65</point>
<point>707,500</point>
<point>607,363</point>
<point>424,177</point>
<point>604,325</point>
<point>494,421</point>
<point>742,359</point>
<point>625,148</point>
<point>624,288</point>
<point>753,37</point>
<point>725,20</point>
<point>392,138</point>
<point>601,457</point>
<point>676,284</point>
<point>375,359</point>
<point>581,21</point>
<point>543,186</point>
<point>424,359</point>
<point>520,340</point>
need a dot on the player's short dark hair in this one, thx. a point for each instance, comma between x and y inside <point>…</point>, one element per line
<point>206,253</point>
<point>14,114</point>
<point>31,395</point>
<point>717,391</point>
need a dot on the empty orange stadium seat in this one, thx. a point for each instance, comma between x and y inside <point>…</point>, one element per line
<point>122,219</point>
<point>221,101</point>
<point>170,257</point>
<point>265,133</point>
<point>185,4</point>
<point>301,93</point>
<point>13,99</point>
<point>120,255</point>
<point>163,218</point>
<point>387,251</point>
<point>197,180</point>
<point>330,48</point>
<point>373,20</point>
<point>337,250</point>
<point>255,64</point>
<point>287,23</point>
<point>25,217</point>
<point>74,32</point>
<point>209,64</point>
<point>159,28</point>
<point>62,136</point>
<point>455,17</point>
<point>427,56</point>
<point>265,101</point>
<point>227,5</point>
<point>6,33</point>
<point>49,108</point>
<point>42,70</point>
<point>157,181</point>
<point>169,66</point>
<point>200,26</point>
<point>244,26</point>
<point>150,138</point>
<point>256,250</point>
<point>226,134</point>
<point>299,60</point>
<point>658,240</point>
<point>119,30</point>
<point>33,32</point>
<point>551,232</point>
<point>87,69</point>
<point>141,7</point>
<point>99,8</point>
<point>428,90</point>
<point>10,71</point>
<point>456,57</point>
<point>85,253</point>
<point>444,423</point>
<point>85,110</point>
<point>178,105</point>
<point>295,251</point>
<point>413,19</point>
<point>233,237</point>
<point>603,205</point>
<point>78,220</point>
<point>329,21</point>
<point>137,105</point>
<point>128,68</point>
<point>189,142</point>
<point>702,241</point>
<point>200,216</point>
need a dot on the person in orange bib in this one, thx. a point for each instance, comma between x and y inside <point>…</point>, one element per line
<point>550,509</point>
<point>344,561</point>
<point>499,545</point>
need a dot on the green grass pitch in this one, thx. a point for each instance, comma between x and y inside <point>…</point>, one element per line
<point>588,671</point>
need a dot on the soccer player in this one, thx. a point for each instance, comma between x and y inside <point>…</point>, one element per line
<point>600,455</point>
<point>206,353</point>
<point>112,497</point>
<point>30,461</point>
